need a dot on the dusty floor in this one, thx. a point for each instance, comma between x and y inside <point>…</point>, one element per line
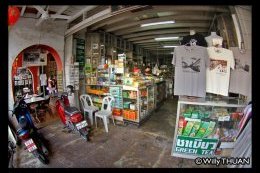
<point>125,146</point>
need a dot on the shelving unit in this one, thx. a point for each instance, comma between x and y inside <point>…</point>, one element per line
<point>103,76</point>
<point>216,126</point>
<point>23,80</point>
<point>116,92</point>
<point>97,93</point>
<point>141,100</point>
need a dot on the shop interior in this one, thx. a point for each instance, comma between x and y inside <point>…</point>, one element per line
<point>163,79</point>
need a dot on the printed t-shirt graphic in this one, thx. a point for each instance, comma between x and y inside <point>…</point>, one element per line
<point>218,72</point>
<point>190,70</point>
<point>241,77</point>
<point>190,64</point>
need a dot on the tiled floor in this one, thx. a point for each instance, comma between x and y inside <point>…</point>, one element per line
<point>125,146</point>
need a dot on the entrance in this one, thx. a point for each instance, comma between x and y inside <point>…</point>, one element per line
<point>32,71</point>
<point>28,67</point>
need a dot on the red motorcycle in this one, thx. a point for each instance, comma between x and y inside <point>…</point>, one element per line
<point>71,117</point>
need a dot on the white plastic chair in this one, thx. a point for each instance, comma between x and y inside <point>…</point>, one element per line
<point>105,113</point>
<point>90,108</point>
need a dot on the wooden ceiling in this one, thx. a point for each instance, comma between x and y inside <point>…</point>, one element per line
<point>128,24</point>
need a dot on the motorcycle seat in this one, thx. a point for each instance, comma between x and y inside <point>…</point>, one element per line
<point>71,111</point>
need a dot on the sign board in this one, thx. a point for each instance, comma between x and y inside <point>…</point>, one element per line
<point>34,59</point>
<point>59,81</point>
<point>195,146</point>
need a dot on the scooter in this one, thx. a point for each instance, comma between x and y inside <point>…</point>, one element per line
<point>71,117</point>
<point>28,132</point>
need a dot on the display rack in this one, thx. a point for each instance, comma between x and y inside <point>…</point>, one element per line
<point>205,126</point>
<point>97,93</point>
<point>22,80</point>
<point>103,76</point>
<point>116,92</point>
<point>138,103</point>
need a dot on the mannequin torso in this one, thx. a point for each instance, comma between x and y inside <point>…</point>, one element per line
<point>214,40</point>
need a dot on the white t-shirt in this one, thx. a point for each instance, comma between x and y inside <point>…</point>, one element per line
<point>240,78</point>
<point>218,72</point>
<point>43,79</point>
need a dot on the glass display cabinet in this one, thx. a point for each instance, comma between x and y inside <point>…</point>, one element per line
<point>204,126</point>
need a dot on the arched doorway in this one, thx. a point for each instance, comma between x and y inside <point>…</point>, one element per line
<point>52,66</point>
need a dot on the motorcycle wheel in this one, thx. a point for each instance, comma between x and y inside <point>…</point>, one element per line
<point>45,150</point>
<point>84,133</point>
<point>43,158</point>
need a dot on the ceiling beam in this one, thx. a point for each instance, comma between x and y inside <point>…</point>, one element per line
<point>165,31</point>
<point>177,18</point>
<point>100,16</point>
<point>152,40</point>
<point>160,27</point>
<point>23,10</point>
<point>123,16</point>
<point>206,8</point>
<point>61,10</point>
<point>81,12</point>
<point>158,9</point>
<point>157,36</point>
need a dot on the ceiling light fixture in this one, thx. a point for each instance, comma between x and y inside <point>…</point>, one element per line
<point>158,23</point>
<point>169,46</point>
<point>166,38</point>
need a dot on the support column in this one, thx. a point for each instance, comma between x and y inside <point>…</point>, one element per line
<point>68,55</point>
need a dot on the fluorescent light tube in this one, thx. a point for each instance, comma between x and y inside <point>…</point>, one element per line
<point>166,38</point>
<point>169,46</point>
<point>157,23</point>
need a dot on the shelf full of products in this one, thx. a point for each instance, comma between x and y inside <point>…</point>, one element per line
<point>206,127</point>
<point>134,93</point>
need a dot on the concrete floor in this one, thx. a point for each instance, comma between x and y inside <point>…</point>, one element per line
<point>125,146</point>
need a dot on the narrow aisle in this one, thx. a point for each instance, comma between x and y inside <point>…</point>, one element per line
<point>162,120</point>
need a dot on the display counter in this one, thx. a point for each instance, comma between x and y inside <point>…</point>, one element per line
<point>206,126</point>
<point>132,104</point>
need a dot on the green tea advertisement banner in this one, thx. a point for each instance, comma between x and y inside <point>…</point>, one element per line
<point>195,146</point>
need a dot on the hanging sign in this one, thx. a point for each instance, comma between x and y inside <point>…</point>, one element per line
<point>34,59</point>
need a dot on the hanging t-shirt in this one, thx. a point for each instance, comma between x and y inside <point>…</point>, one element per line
<point>240,77</point>
<point>43,79</point>
<point>218,72</point>
<point>190,70</point>
<point>198,38</point>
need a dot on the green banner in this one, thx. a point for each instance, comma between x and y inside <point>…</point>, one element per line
<point>195,146</point>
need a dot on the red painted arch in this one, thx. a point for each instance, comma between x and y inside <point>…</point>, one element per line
<point>18,61</point>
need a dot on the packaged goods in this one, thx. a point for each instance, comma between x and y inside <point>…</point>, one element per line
<point>132,106</point>
<point>195,128</point>
<point>132,115</point>
<point>195,114</point>
<point>181,125</point>
<point>202,129</point>
<point>187,114</point>
<point>188,128</point>
<point>210,129</point>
